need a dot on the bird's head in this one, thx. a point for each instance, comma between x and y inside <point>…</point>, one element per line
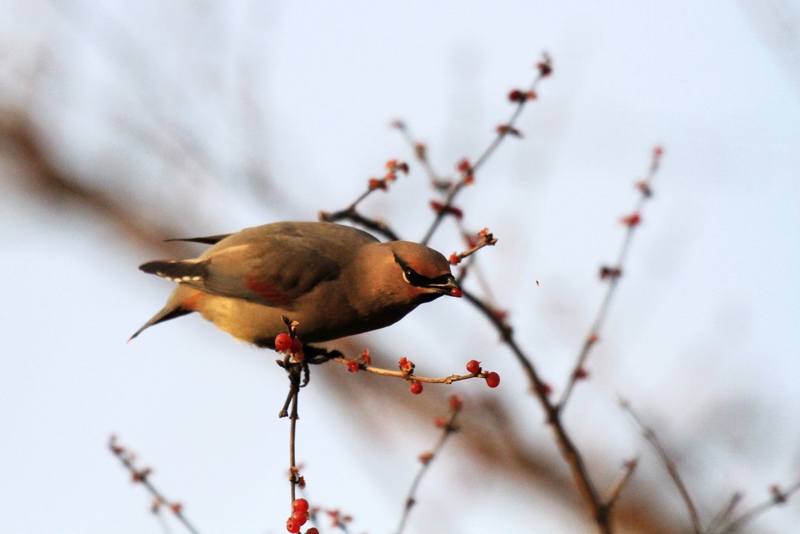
<point>425,272</point>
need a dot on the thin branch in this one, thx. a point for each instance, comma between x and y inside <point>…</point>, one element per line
<point>294,378</point>
<point>599,511</point>
<point>723,515</point>
<point>404,375</point>
<point>350,213</point>
<point>777,497</point>
<point>630,468</point>
<point>543,70</point>
<point>487,239</point>
<point>142,476</point>
<point>613,274</point>
<point>672,469</point>
<point>426,459</point>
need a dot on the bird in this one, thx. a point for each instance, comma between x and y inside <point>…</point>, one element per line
<point>333,280</point>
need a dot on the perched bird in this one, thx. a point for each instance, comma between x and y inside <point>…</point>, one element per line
<point>334,280</point>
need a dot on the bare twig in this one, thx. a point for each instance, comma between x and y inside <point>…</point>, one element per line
<point>294,380</point>
<point>351,213</point>
<point>142,476</point>
<point>426,459</point>
<point>486,239</point>
<point>777,497</point>
<point>723,515</point>
<point>468,170</point>
<point>612,274</point>
<point>672,469</point>
<point>630,468</point>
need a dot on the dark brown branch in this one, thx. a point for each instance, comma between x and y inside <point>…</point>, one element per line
<point>599,511</point>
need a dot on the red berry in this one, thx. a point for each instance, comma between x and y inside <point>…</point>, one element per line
<point>492,380</point>
<point>416,387</point>
<point>455,292</point>
<point>297,345</point>
<point>293,526</point>
<point>440,421</point>
<point>352,366</point>
<point>455,402</point>
<point>312,530</point>
<point>454,259</point>
<point>300,517</point>
<point>300,505</point>
<point>474,367</point>
<point>283,342</point>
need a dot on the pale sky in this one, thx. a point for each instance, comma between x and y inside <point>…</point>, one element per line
<point>703,336</point>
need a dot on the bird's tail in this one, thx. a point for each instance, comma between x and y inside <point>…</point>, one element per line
<point>170,311</point>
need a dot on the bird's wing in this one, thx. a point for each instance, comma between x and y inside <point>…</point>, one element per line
<point>274,273</point>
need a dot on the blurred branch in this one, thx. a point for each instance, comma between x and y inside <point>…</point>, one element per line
<point>49,182</point>
<point>665,458</point>
<point>142,476</point>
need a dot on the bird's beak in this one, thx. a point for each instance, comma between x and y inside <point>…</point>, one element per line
<point>449,287</point>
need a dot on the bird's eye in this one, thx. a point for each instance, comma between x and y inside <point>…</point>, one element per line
<point>414,278</point>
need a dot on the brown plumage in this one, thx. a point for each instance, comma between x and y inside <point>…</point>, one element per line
<point>334,280</point>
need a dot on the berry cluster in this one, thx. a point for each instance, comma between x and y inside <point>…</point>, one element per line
<point>284,343</point>
<point>299,517</point>
<point>492,378</point>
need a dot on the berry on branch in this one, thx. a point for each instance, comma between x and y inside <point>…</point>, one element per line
<point>283,342</point>
<point>492,380</point>
<point>300,505</point>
